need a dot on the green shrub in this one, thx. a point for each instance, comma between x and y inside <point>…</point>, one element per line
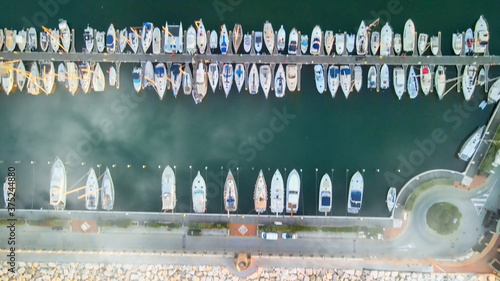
<point>208,226</point>
<point>50,222</point>
<point>7,222</point>
<point>444,218</point>
<point>117,223</point>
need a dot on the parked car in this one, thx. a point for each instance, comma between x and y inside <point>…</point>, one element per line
<point>194,232</point>
<point>269,235</point>
<point>289,235</point>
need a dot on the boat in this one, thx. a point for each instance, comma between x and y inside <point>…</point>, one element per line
<point>201,37</point>
<point>471,144</point>
<point>384,77</point>
<point>265,78</point>
<point>160,84</point>
<point>277,193</point>
<point>149,74</point>
<point>469,41</point>
<point>319,77</point>
<point>293,40</point>
<point>133,40</point>
<point>247,43</point>
<point>168,190</point>
<point>355,194</point>
<point>147,35</point>
<point>481,35</point>
<point>372,78</point>
<point>100,41</point>
<point>358,78</point>
<point>350,42</point>
<point>239,76</point>
<point>375,42</point>
<point>345,80</point>
<point>201,83</point>
<point>98,79</point>
<point>33,86</point>
<point>224,40</point>
<point>397,43</point>
<point>434,45</point>
<point>191,40</point>
<point>258,41</point>
<point>2,39</point>
<point>7,75</point>
<point>173,38</point>
<point>329,38</point>
<point>91,191</point>
<point>227,77</point>
<point>316,38</point>
<point>112,76</point>
<point>88,37</point>
<point>362,40</point>
<point>409,36</point>
<point>440,81</point>
<point>156,41</point>
<point>175,78</point>
<point>325,194</point>
<point>469,81</point>
<point>481,77</point>
<point>213,75</point>
<point>44,40</point>
<point>230,194</point>
<point>65,35</point>
<point>55,41</point>
<point>422,43</point>
<point>9,187</point>
<point>107,191</point>
<point>237,37</point>
<point>122,40</point>
<point>292,192</point>
<point>291,77</point>
<point>457,43</point>
<point>281,39</point>
<point>167,40</point>
<point>21,75</point>
<point>340,43</point>
<point>48,76</point>
<point>333,79</point>
<point>32,40</point>
<point>61,73</point>
<point>425,79</point>
<point>21,40</point>
<point>253,80</point>
<point>58,184</point>
<point>72,82</point>
<point>213,40</point>
<point>304,43</point>
<point>399,81</point>
<point>10,40</point>
<point>260,193</point>
<point>85,75</point>
<point>280,82</point>
<point>199,193</point>
<point>412,83</point>
<point>391,198</point>
<point>137,78</point>
<point>187,79</point>
<point>269,37</point>
<point>494,92</point>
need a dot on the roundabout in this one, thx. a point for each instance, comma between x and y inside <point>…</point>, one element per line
<point>443,218</point>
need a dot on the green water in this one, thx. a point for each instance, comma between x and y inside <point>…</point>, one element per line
<point>370,131</point>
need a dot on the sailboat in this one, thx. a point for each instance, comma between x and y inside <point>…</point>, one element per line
<point>409,36</point>
<point>265,78</point>
<point>112,76</point>
<point>213,75</point>
<point>279,82</point>
<point>355,194</point>
<point>65,34</point>
<point>54,40</point>
<point>230,194</point>
<point>58,184</point>
<point>33,86</point>
<point>440,81</point>
<point>471,144</point>
<point>107,191</point>
<point>456,41</point>
<point>73,77</point>
<point>44,40</point>
<point>156,41</point>
<point>201,37</point>
<point>237,37</point>
<point>168,190</point>
<point>319,77</point>
<point>137,78</point>
<point>422,43</point>
<point>292,192</point>
<point>386,40</point>
<point>362,40</point>
<point>260,194</point>
<point>61,73</point>
<point>7,75</point>
<point>91,191</point>
<point>21,75</point>
<point>469,81</point>
<point>345,80</point>
<point>224,39</point>
<point>227,77</point>
<point>375,42</point>
<point>48,76</point>
<point>412,84</point>
<point>325,194</point>
<point>253,80</point>
<point>88,37</point>
<point>201,83</point>
<point>358,78</point>
<point>269,37</point>
<point>329,38</point>
<point>391,198</point>
<point>277,193</point>
<point>187,79</point>
<point>494,92</point>
<point>21,40</point>
<point>32,40</point>
<point>239,76</point>
<point>147,35</point>
<point>175,78</point>
<point>333,79</point>
<point>123,40</point>
<point>98,79</point>
<point>133,39</point>
<point>425,79</point>
<point>160,84</point>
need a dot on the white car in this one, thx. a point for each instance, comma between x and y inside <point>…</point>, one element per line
<point>289,235</point>
<point>269,235</point>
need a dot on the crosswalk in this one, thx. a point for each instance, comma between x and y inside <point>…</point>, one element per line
<point>480,200</point>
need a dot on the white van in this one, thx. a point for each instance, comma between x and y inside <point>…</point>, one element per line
<point>269,235</point>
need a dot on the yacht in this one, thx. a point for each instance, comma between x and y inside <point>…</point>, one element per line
<point>258,41</point>
<point>280,82</point>
<point>457,43</point>
<point>325,194</point>
<point>147,35</point>
<point>391,198</point>
<point>469,41</point>
<point>471,144</point>
<point>168,190</point>
<point>494,92</point>
<point>32,40</point>
<point>107,191</point>
<point>73,77</point>
<point>412,84</point>
<point>21,75</point>
<point>422,43</point>
<point>340,43</point>
<point>191,40</point>
<point>33,86</point>
<point>291,77</point>
<point>7,75</point>
<point>372,78</point>
<point>201,83</point>
<point>247,43</point>
<point>355,194</point>
<point>48,76</point>
<point>98,79</point>
<point>175,78</point>
<point>269,37</point>
<point>292,192</point>
<point>319,77</point>
<point>409,36</point>
<point>253,80</point>
<point>227,77</point>
<point>333,79</point>
<point>55,41</point>
<point>293,40</point>
<point>281,39</point>
<point>440,81</point>
<point>122,40</point>
<point>434,45</point>
<point>65,34</point>
<point>239,76</point>
<point>237,37</point>
<point>137,78</point>
<point>160,84</point>
<point>329,38</point>
<point>399,81</point>
<point>425,79</point>
<point>316,43</point>
<point>384,77</point>
<point>44,40</point>
<point>21,40</point>
<point>265,78</point>
<point>469,81</point>
<point>91,191</point>
<point>304,43</point>
<point>230,194</point>
<point>156,41</point>
<point>358,78</point>
<point>213,75</point>
<point>199,193</point>
<point>88,37</point>
<point>350,42</point>
<point>58,184</point>
<point>375,42</point>
<point>100,41</point>
<point>397,43</point>
<point>9,187</point>
<point>224,40</point>
<point>133,40</point>
<point>362,40</point>
<point>112,76</point>
<point>481,35</point>
<point>85,76</point>
<point>260,194</point>
<point>277,193</point>
<point>187,79</point>
<point>10,40</point>
<point>345,80</point>
<point>149,74</point>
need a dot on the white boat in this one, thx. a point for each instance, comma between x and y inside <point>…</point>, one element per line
<point>247,43</point>
<point>137,78</point>
<point>9,187</point>
<point>133,40</point>
<point>269,36</point>
<point>112,76</point>
<point>187,79</point>
<point>434,45</point>
<point>440,81</point>
<point>350,42</point>
<point>386,40</point>
<point>167,40</point>
<point>329,39</point>
<point>91,191</point>
<point>65,34</point>
<point>230,193</point>
<point>10,40</point>
<point>55,41</point>
<point>422,43</point>
<point>7,75</point>
<point>2,39</point>
<point>304,43</point>
<point>469,81</point>
<point>21,40</point>
<point>469,41</point>
<point>456,42</point>
<point>280,82</point>
<point>316,41</point>
<point>319,77</point>
<point>174,38</point>
<point>355,194</point>
<point>44,40</point>
<point>85,74</point>
<point>481,35</point>
<point>122,40</point>
<point>412,84</point>
<point>201,37</point>
<point>253,80</point>
<point>224,40</point>
<point>88,37</point>
<point>358,78</point>
<point>149,74</point>
<point>333,79</point>
<point>384,77</point>
<point>100,41</point>
<point>362,40</point>
<point>199,194</point>
<point>265,78</point>
<point>340,43</point>
<point>425,79</point>
<point>156,41</point>
<point>345,80</point>
<point>227,77</point>
<point>48,76</point>
<point>277,193</point>
<point>292,192</point>
<point>160,84</point>
<point>201,83</point>
<point>258,41</point>
<point>471,144</point>
<point>168,190</point>
<point>239,76</point>
<point>260,194</point>
<point>237,37</point>
<point>33,86</point>
<point>21,75</point>
<point>375,42</point>
<point>391,198</point>
<point>72,81</point>
<point>372,78</point>
<point>213,40</point>
<point>146,35</point>
<point>175,78</point>
<point>291,77</point>
<point>281,39</point>
<point>58,184</point>
<point>213,75</point>
<point>409,36</point>
<point>481,77</point>
<point>325,194</point>
<point>494,92</point>
<point>107,191</point>
<point>397,43</point>
<point>191,40</point>
<point>98,79</point>
<point>399,81</point>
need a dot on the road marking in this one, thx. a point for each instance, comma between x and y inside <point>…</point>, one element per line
<point>480,200</point>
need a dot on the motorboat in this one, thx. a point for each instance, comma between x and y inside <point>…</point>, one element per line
<point>372,78</point>
<point>33,87</point>
<point>340,43</point>
<point>471,144</point>
<point>9,191</point>
<point>316,41</point>
<point>291,77</point>
<point>55,41</point>
<point>350,42</point>
<point>457,43</point>
<point>412,84</point>
<point>345,80</point>
<point>409,36</point>
<point>88,37</point>
<point>85,74</point>
<point>325,194</point>
<point>440,81</point>
<point>122,40</point>
<point>469,41</point>
<point>133,40</point>
<point>253,80</point>
<point>391,198</point>
<point>260,194</point>
<point>100,41</point>
<point>281,39</point>
<point>201,37</point>
<point>494,92</point>
<point>481,77</point>
<point>10,40</point>
<point>7,75</point>
<point>107,191</point>
<point>44,40</point>
<point>160,84</point>
<point>32,40</point>
<point>355,194</point>
<point>292,192</point>
<point>422,43</point>
<point>358,78</point>
<point>48,76</point>
<point>227,77</point>
<point>230,193</point>
<point>333,79</point>
<point>137,78</point>
<point>156,41</point>
<point>434,45</point>
<point>258,41</point>
<point>213,75</point>
<point>112,76</point>
<point>237,37</point>
<point>375,42</point>
<point>2,39</point>
<point>224,40</point>
<point>386,40</point>
<point>168,190</point>
<point>187,79</point>
<point>149,74</point>
<point>277,193</point>
<point>280,82</point>
<point>147,35</point>
<point>72,81</point>
<point>304,43</point>
<point>362,40</point>
<point>384,77</point>
<point>293,40</point>
<point>91,191</point>
<point>425,78</point>
<point>61,73</point>
<point>319,77</point>
<point>399,81</point>
<point>397,43</point>
<point>239,76</point>
<point>22,39</point>
<point>199,194</point>
<point>58,185</point>
<point>65,35</point>
<point>213,40</point>
<point>481,35</point>
<point>175,78</point>
<point>469,81</point>
<point>98,79</point>
<point>111,39</point>
<point>21,75</point>
<point>265,78</point>
<point>329,39</point>
<point>191,40</point>
<point>201,83</point>
<point>247,42</point>
<point>269,37</point>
